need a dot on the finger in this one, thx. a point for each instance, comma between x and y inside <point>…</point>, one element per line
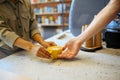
<point>63,55</point>
<point>52,44</point>
<point>64,47</point>
<point>43,55</point>
<point>44,52</point>
<point>66,55</point>
<point>39,54</point>
<point>69,56</point>
<point>46,45</point>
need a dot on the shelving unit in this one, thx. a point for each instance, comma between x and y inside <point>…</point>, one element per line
<point>52,13</point>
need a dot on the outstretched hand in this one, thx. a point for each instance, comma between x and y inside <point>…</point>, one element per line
<point>70,49</point>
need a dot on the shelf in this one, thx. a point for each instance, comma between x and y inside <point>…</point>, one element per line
<point>48,14</point>
<point>43,4</point>
<point>68,1</point>
<point>57,25</point>
<point>50,3</point>
<point>52,14</point>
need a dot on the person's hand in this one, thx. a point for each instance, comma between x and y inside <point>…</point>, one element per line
<point>48,44</point>
<point>37,50</point>
<point>71,49</point>
<point>37,37</point>
<point>40,51</point>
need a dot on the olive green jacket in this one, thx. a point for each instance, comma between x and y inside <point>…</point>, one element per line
<point>16,20</point>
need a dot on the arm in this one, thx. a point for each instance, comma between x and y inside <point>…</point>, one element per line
<point>39,39</point>
<point>6,34</point>
<point>101,20</point>
<point>12,39</point>
<point>26,45</point>
<point>35,33</point>
<point>34,49</point>
<point>106,15</point>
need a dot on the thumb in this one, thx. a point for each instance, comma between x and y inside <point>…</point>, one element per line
<point>64,47</point>
<point>46,45</point>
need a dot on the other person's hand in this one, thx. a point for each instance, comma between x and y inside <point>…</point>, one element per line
<point>70,49</point>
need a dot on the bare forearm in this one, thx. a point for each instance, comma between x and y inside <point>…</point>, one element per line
<point>34,49</point>
<point>21,43</point>
<point>100,21</point>
<point>37,37</point>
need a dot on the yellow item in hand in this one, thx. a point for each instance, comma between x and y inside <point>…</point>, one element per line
<point>54,51</point>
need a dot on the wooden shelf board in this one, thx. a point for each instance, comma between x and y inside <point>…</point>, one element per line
<point>52,25</point>
<point>42,4</point>
<point>68,1</point>
<point>46,3</point>
<point>51,14</point>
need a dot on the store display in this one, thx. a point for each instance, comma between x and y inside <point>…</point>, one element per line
<point>52,12</point>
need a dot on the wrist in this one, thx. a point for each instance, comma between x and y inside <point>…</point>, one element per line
<point>34,49</point>
<point>37,37</point>
<point>79,41</point>
<point>29,46</point>
<point>21,43</point>
<point>41,41</point>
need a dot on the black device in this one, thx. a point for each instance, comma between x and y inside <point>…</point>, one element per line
<point>112,33</point>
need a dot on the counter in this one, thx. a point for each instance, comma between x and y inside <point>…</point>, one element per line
<point>100,65</point>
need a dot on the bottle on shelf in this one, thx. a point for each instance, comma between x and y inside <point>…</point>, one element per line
<point>50,12</point>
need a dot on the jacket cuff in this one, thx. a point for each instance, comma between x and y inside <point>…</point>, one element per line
<point>34,32</point>
<point>9,38</point>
